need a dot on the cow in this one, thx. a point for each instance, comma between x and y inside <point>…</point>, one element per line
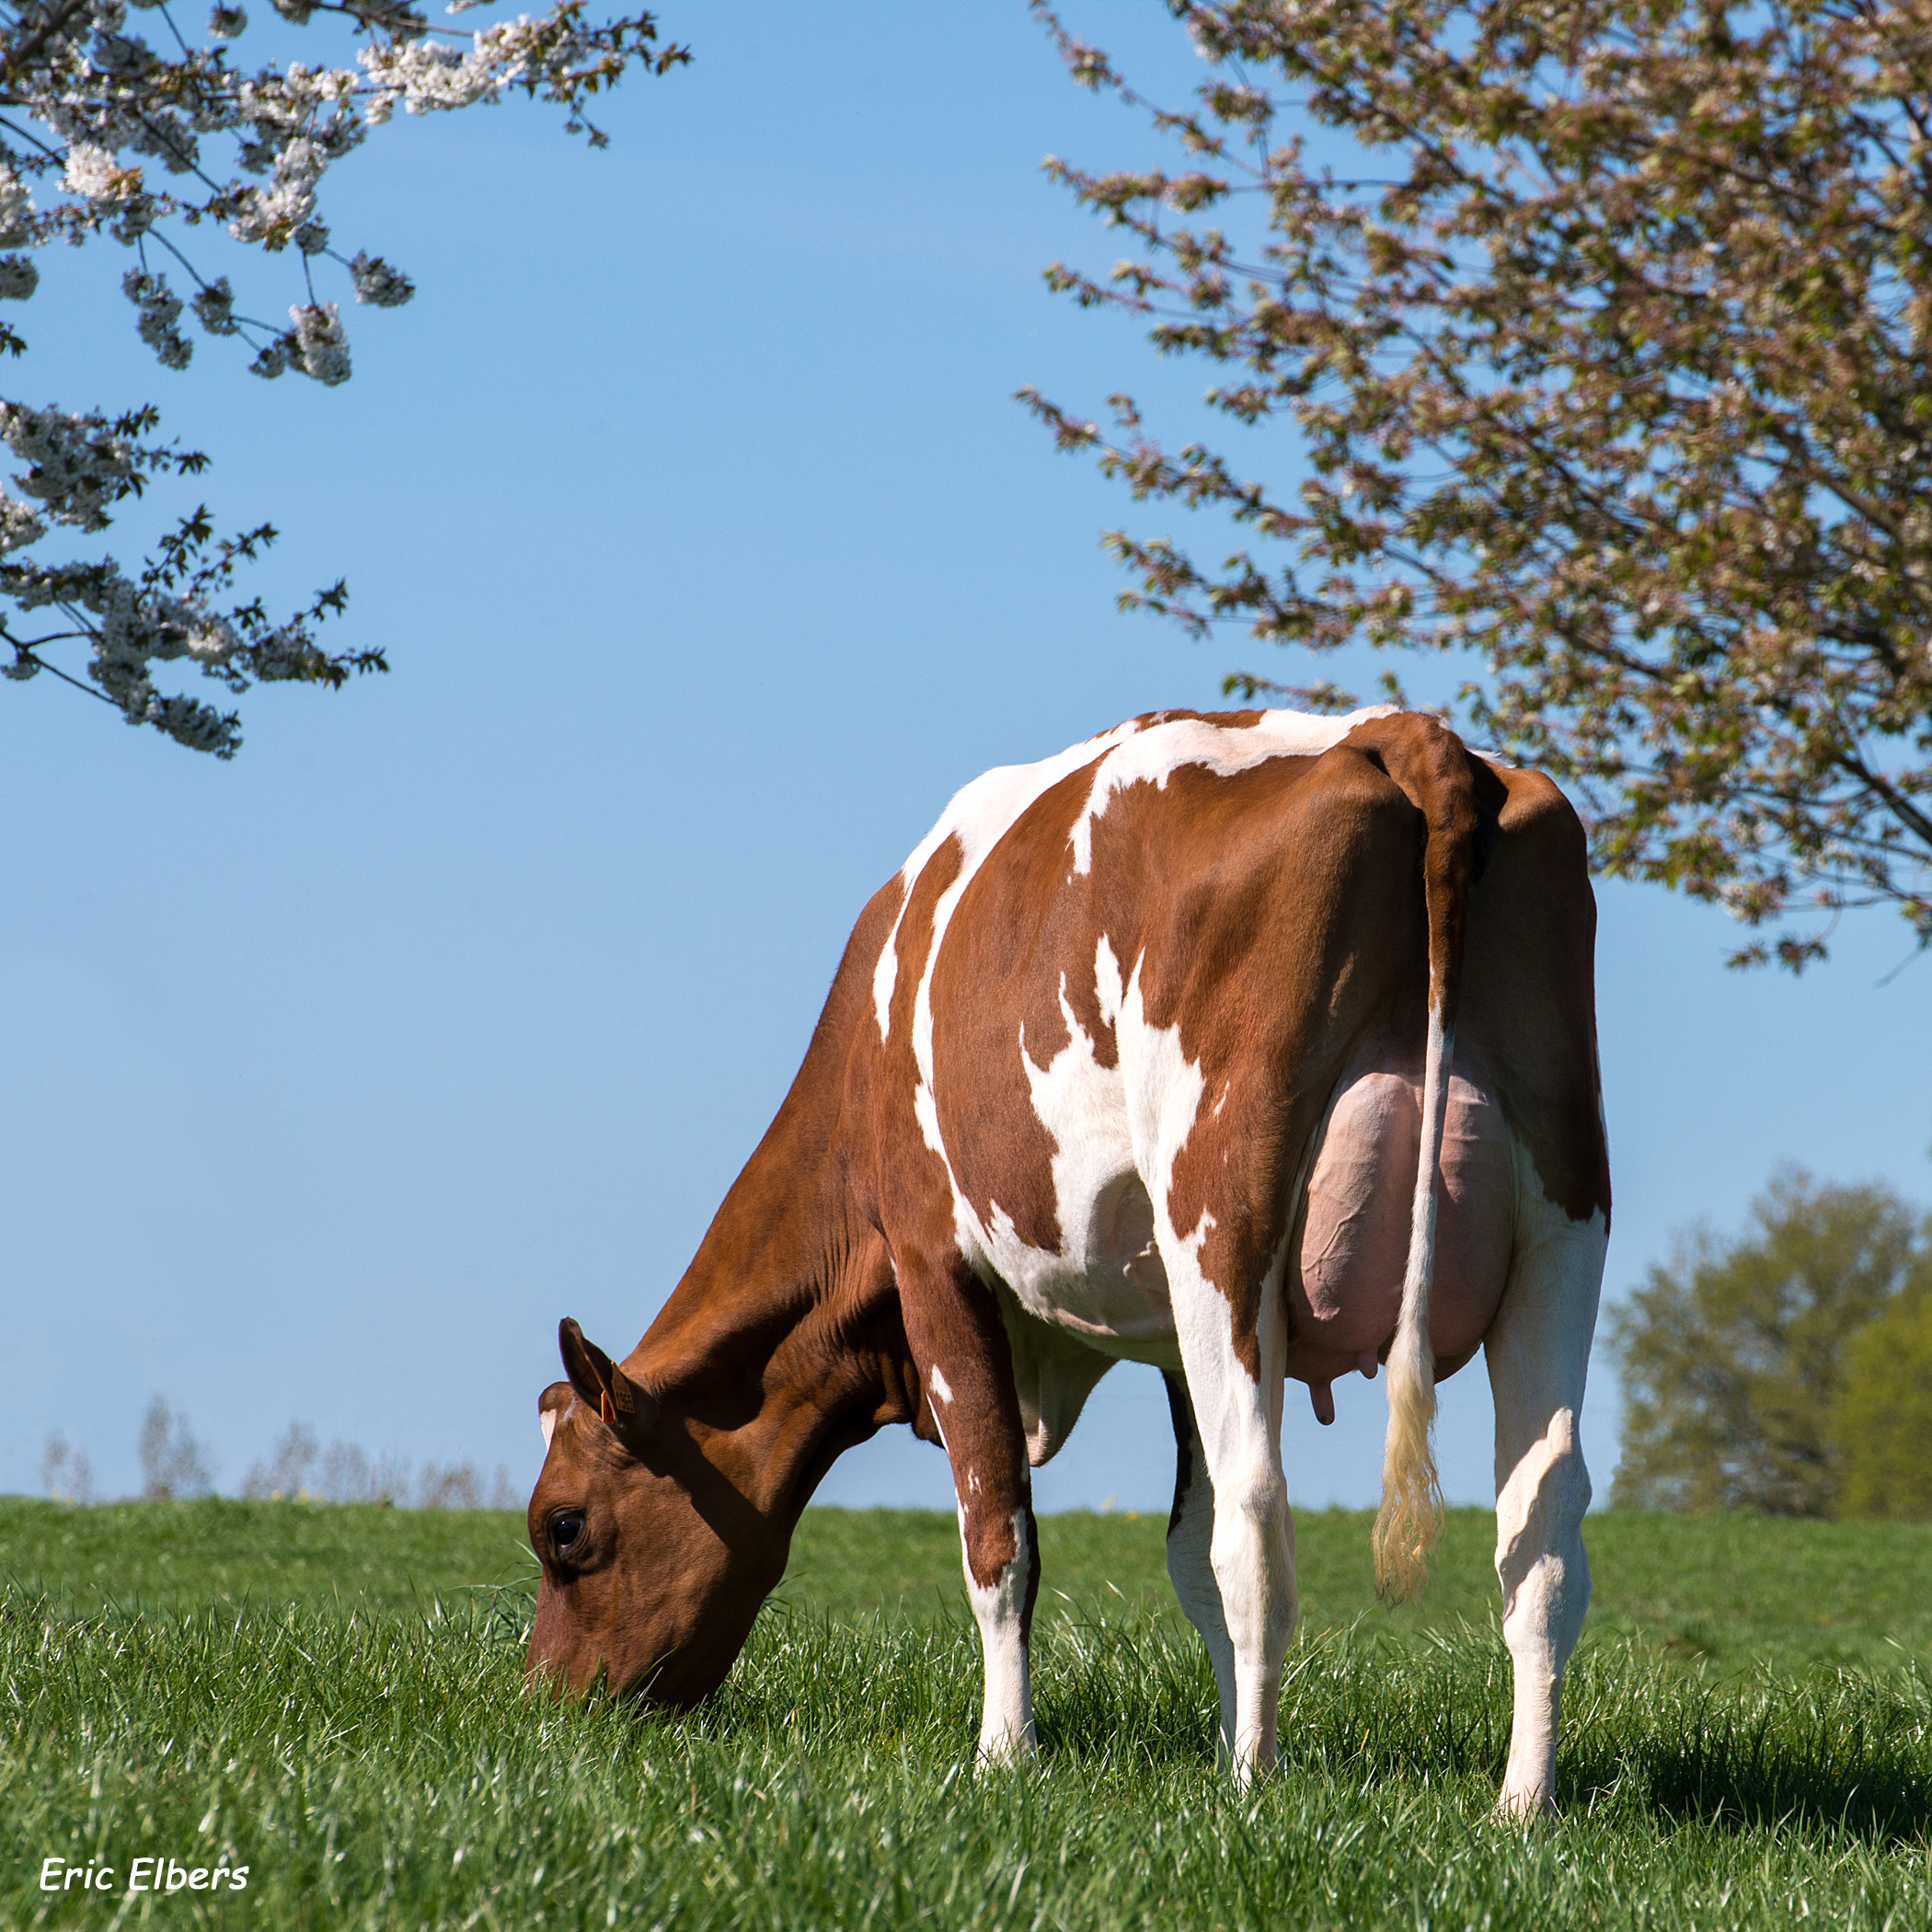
<point>1251,1045</point>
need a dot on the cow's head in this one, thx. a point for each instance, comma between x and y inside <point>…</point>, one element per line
<point>654,1562</point>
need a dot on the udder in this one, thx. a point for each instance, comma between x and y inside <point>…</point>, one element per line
<point>1345,1292</point>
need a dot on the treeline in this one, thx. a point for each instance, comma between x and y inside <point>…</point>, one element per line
<point>1788,1371</point>
<point>176,1465</point>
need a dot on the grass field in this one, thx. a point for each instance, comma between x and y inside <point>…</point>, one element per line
<point>330,1698</point>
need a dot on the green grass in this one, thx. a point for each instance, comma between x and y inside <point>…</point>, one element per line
<point>327,1696</point>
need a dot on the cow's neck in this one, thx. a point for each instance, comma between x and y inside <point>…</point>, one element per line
<point>778,1361</point>
<point>783,1344</point>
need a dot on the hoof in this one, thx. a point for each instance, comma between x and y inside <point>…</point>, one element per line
<point>1006,1751</point>
<point>1530,1807</point>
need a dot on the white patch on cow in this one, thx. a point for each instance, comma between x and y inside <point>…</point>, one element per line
<point>885,976</point>
<point>1164,1090</point>
<point>546,1421</point>
<point>1152,756</point>
<point>1106,1283</point>
<point>941,1387</point>
<point>1107,990</point>
<point>1075,1099</point>
<point>1007,1724</point>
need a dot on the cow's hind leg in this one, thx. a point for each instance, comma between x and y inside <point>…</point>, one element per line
<point>1235,1381</point>
<point>961,1346</point>
<point>1538,1354</point>
<point>1190,1534</point>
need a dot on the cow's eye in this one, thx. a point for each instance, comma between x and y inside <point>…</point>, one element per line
<point>565,1527</point>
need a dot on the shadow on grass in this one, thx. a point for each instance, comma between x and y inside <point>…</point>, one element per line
<point>1864,1775</point>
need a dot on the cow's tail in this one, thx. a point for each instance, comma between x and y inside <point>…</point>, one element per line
<point>1432,768</point>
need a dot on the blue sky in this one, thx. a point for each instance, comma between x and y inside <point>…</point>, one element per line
<point>712,553</point>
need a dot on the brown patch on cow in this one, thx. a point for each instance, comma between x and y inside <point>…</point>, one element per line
<point>989,1543</point>
<point>1276,914</point>
<point>1530,996</point>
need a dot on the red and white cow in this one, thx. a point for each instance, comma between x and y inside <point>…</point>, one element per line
<point>1251,1045</point>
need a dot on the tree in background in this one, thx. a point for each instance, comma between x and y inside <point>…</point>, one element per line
<point>1884,1424</point>
<point>302,1471</point>
<point>174,1464</point>
<point>1753,1371</point>
<point>66,1471</point>
<point>102,134</point>
<point>1603,327</point>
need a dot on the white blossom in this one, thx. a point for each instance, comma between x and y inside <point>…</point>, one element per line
<point>272,215</point>
<point>321,346</point>
<point>272,357</point>
<point>191,722</point>
<point>138,214</point>
<point>94,173</point>
<point>378,283</point>
<point>76,465</point>
<point>19,526</point>
<point>428,77</point>
<point>227,23</point>
<point>119,53</point>
<point>15,208</point>
<point>283,655</point>
<point>133,627</point>
<point>215,306</point>
<point>160,308</point>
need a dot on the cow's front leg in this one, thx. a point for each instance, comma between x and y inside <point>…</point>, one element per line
<point>1234,1365</point>
<point>1538,1354</point>
<point>966,1363</point>
<point>1190,1534</point>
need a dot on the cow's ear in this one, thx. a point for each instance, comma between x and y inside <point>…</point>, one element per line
<point>616,1398</point>
<point>550,1407</point>
<point>589,1368</point>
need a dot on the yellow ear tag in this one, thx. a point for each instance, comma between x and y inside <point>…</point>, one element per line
<point>604,1408</point>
